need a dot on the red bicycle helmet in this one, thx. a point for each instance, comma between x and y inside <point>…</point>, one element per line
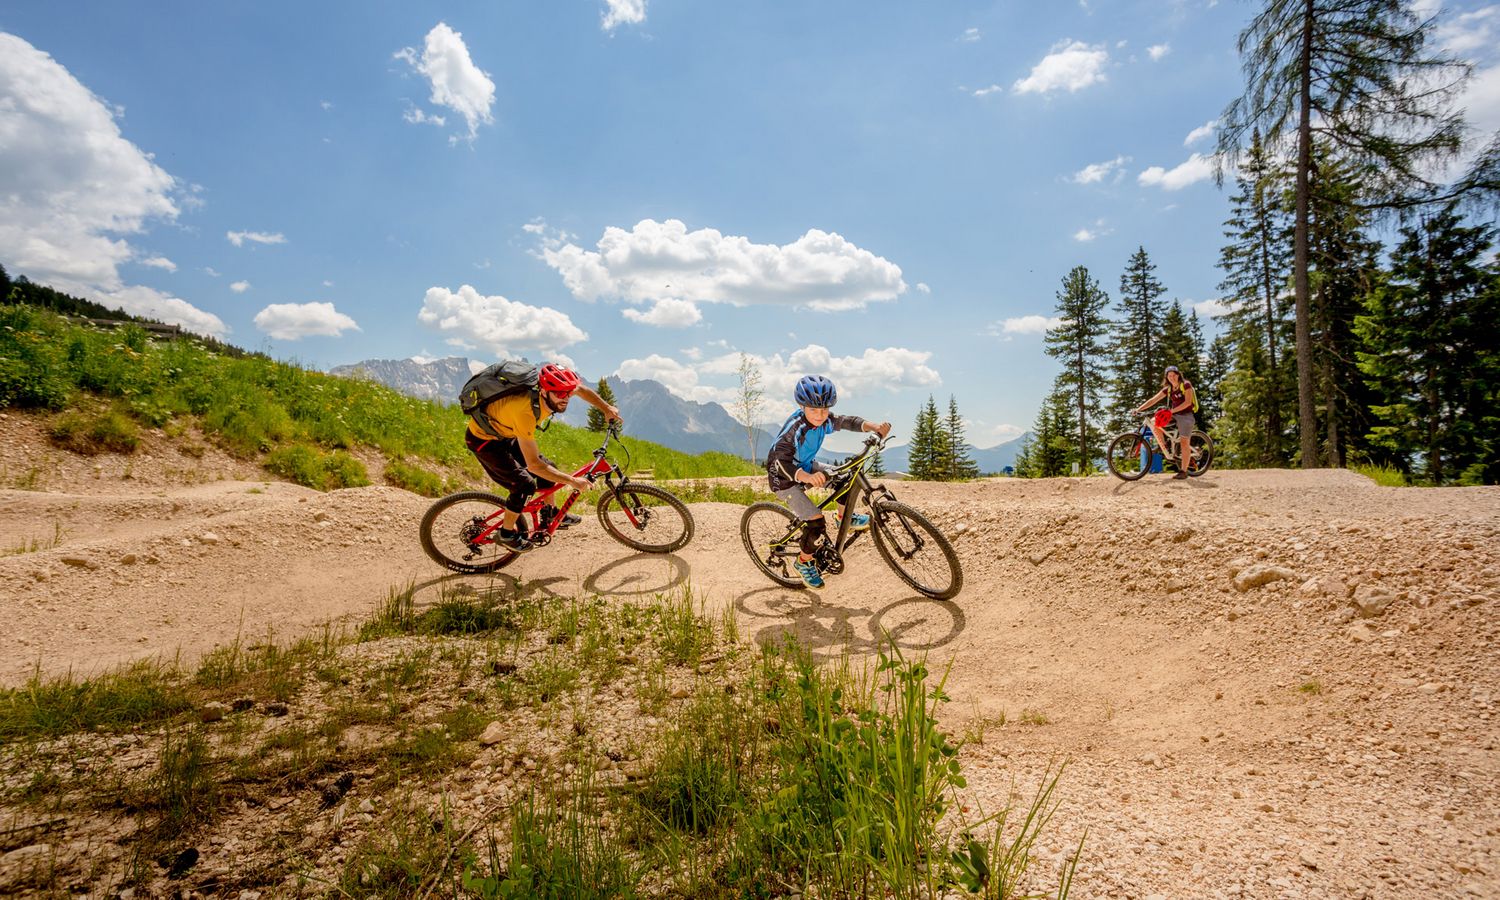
<point>558,379</point>
<point>1162,419</point>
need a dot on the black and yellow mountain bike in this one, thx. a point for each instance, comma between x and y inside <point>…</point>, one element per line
<point>909,543</point>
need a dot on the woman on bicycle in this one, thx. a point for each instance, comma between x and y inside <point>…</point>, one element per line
<point>794,467</point>
<point>1178,392</point>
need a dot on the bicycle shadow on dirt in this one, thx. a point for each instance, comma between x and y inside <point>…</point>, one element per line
<point>1166,483</point>
<point>494,587</point>
<point>636,574</point>
<point>828,631</point>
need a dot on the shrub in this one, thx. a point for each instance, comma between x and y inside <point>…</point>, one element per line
<point>107,432</point>
<point>402,474</point>
<point>313,468</point>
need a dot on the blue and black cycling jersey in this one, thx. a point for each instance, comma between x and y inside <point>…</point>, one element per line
<point>796,446</point>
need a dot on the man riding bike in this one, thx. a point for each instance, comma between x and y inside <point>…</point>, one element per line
<point>509,452</point>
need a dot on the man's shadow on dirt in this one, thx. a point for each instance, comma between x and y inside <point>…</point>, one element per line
<point>829,631</point>
<point>632,575</point>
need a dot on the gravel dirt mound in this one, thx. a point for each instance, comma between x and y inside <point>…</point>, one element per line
<point>1266,683</point>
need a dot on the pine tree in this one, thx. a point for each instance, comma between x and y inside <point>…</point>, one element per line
<point>1210,389</point>
<point>1431,351</point>
<point>876,467</point>
<point>1256,264</point>
<point>1050,451</point>
<point>1360,70</point>
<point>597,422</point>
<point>960,464</point>
<point>1135,350</point>
<point>1180,347</point>
<point>925,450</point>
<point>4,284</point>
<point>1344,266</point>
<point>1079,343</point>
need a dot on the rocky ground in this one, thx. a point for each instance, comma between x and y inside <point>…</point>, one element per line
<point>1264,683</point>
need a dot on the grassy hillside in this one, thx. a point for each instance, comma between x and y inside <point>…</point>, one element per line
<point>299,423</point>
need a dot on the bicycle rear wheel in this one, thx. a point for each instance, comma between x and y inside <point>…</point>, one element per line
<point>1128,456</point>
<point>914,548</point>
<point>772,535</point>
<point>459,532</point>
<point>646,518</point>
<point>1202,449</point>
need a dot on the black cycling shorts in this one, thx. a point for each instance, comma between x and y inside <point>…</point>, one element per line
<point>504,462</point>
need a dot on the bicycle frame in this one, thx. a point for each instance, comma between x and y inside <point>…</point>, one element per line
<point>600,467</point>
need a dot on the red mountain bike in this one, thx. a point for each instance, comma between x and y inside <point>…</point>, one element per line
<point>460,531</point>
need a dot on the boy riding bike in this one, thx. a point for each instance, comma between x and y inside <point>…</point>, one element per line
<point>793,466</point>
<point>508,451</point>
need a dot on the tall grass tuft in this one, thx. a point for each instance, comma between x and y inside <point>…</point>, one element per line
<point>137,695</point>
<point>559,850</point>
<point>89,434</point>
<point>1385,476</point>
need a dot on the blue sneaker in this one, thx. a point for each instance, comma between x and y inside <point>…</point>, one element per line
<point>809,572</point>
<point>859,522</point>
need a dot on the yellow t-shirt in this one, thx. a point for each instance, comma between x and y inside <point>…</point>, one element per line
<point>512,417</point>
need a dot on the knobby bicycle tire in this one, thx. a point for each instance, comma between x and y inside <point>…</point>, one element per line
<point>1129,439</point>
<point>450,534</point>
<point>900,533</point>
<point>1206,458</point>
<point>629,496</point>
<point>760,524</point>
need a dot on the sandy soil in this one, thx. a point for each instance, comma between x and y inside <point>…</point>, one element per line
<point>1264,683</point>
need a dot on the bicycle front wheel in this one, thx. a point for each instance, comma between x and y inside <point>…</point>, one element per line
<point>1201,447</point>
<point>646,518</point>
<point>459,532</point>
<point>772,538</point>
<point>1128,457</point>
<point>915,550</point>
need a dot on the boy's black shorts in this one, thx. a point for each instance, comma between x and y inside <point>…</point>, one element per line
<point>506,465</point>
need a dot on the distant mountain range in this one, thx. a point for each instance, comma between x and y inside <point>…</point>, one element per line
<point>650,410</point>
<point>991,460</point>
<point>438,379</point>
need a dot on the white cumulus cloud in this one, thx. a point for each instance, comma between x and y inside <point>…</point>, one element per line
<point>1083,235</point>
<point>294,321</point>
<point>986,91</point>
<point>1213,308</point>
<point>1198,167</point>
<point>503,327</point>
<point>969,36</point>
<point>657,261</point>
<point>1202,131</point>
<point>240,287</point>
<point>238,238</point>
<point>1095,172</point>
<point>1157,51</point>
<point>622,12</point>
<point>456,82</point>
<point>1024,325</point>
<point>159,262</point>
<point>72,189</point>
<point>666,313</point>
<point>704,380</point>
<point>1071,66</point>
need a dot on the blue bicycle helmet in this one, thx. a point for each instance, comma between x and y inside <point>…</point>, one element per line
<point>816,391</point>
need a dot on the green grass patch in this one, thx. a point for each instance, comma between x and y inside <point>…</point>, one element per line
<point>89,434</point>
<point>252,405</point>
<point>130,698</point>
<point>1385,476</point>
<point>718,492</point>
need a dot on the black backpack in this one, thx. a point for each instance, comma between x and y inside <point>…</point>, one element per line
<point>511,376</point>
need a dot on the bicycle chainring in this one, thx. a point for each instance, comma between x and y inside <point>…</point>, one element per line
<point>828,559</point>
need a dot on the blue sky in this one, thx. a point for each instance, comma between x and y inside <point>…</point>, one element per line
<point>886,193</point>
